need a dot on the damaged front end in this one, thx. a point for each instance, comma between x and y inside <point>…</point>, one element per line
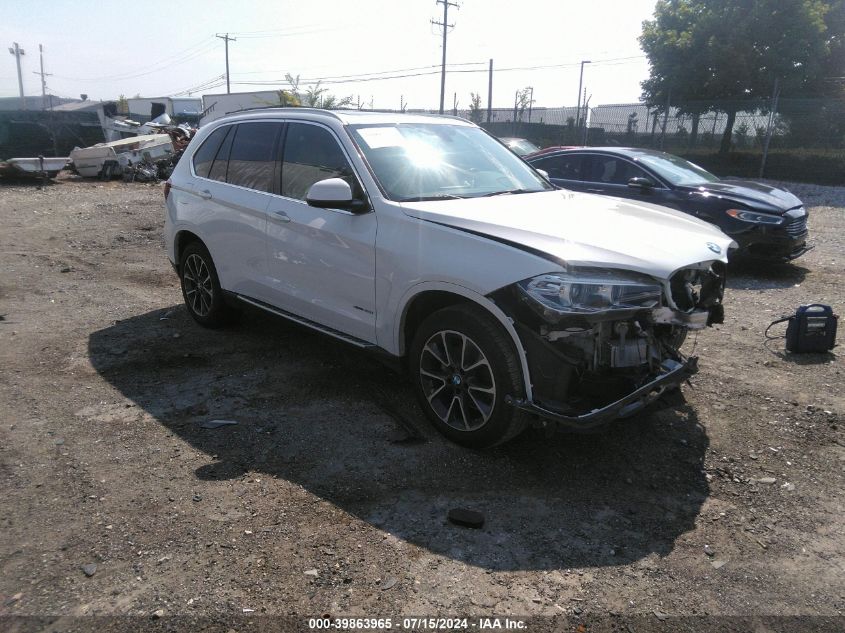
<point>602,344</point>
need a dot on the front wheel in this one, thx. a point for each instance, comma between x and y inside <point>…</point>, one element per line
<point>464,365</point>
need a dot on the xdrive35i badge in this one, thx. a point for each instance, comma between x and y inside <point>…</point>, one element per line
<point>714,247</point>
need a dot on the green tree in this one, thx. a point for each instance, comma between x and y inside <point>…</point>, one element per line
<point>476,114</point>
<point>316,96</point>
<point>522,102</point>
<point>312,97</point>
<point>726,54</point>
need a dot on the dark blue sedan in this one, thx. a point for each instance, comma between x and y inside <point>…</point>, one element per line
<point>765,221</point>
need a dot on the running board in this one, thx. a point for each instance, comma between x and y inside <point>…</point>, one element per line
<point>307,323</point>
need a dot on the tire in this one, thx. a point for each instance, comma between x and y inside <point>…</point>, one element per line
<point>463,365</point>
<point>201,288</point>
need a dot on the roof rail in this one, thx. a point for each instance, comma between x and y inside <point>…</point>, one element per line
<point>280,107</point>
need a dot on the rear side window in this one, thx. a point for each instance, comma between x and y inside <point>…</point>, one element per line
<point>312,154</point>
<point>567,167</point>
<point>204,156</point>
<point>251,161</point>
<point>614,171</point>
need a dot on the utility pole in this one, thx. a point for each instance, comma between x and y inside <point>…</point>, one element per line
<point>43,81</point>
<point>530,101</point>
<point>17,51</point>
<point>445,26</point>
<point>773,110</point>
<point>666,117</point>
<point>490,92</point>
<point>227,39</point>
<point>580,81</point>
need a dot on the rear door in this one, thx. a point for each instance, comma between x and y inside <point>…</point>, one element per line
<point>234,193</point>
<point>321,261</point>
<point>609,175</point>
<point>565,170</point>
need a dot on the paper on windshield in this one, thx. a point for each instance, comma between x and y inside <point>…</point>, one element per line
<point>377,137</point>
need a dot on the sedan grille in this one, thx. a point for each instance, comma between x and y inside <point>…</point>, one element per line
<point>796,227</point>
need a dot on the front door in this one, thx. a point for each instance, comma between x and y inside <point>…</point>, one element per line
<point>321,261</point>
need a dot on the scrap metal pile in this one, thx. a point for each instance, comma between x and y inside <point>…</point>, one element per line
<point>146,153</point>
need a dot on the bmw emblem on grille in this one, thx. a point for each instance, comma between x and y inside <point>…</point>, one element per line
<point>714,247</point>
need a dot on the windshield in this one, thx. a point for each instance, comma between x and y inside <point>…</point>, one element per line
<point>676,170</point>
<point>434,161</point>
<point>521,147</point>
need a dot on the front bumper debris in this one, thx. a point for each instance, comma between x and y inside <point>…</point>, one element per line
<point>674,373</point>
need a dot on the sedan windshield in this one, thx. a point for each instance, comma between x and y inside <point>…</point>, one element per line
<point>521,146</point>
<point>676,170</point>
<point>436,161</point>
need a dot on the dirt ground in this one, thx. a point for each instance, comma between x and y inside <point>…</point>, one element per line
<point>330,495</point>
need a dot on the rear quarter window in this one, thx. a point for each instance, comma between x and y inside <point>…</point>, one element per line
<point>204,156</point>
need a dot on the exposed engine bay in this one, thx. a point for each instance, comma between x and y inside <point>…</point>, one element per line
<point>582,360</point>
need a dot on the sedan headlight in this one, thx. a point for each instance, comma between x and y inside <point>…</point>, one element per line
<point>590,291</point>
<point>754,217</point>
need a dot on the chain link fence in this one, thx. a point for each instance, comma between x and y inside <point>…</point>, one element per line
<point>781,138</point>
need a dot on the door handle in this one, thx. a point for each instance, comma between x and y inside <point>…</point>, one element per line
<point>205,194</point>
<point>595,190</point>
<point>280,216</point>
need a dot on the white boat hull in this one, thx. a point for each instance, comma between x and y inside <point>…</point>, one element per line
<point>36,166</point>
<point>88,161</point>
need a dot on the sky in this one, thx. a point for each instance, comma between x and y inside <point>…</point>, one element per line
<point>158,49</point>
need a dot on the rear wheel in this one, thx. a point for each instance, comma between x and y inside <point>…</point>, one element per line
<point>201,288</point>
<point>464,365</point>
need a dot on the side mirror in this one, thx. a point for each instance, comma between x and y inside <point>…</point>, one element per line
<point>334,193</point>
<point>543,173</point>
<point>640,183</point>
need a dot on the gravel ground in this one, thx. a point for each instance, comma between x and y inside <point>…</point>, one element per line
<point>330,495</point>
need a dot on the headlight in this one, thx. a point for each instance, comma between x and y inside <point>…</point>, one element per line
<point>588,291</point>
<point>754,217</point>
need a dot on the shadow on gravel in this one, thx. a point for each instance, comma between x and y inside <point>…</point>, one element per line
<point>22,181</point>
<point>336,421</point>
<point>820,358</point>
<point>745,274</point>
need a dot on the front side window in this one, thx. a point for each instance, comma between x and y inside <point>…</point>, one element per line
<point>252,160</point>
<point>312,154</point>
<point>566,166</point>
<point>614,171</point>
<point>436,161</point>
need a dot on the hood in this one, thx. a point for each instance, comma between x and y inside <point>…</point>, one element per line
<point>585,230</point>
<point>755,195</point>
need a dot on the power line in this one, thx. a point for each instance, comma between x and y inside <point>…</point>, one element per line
<point>365,77</point>
<point>214,82</point>
<point>179,57</point>
<point>380,72</point>
<point>144,74</point>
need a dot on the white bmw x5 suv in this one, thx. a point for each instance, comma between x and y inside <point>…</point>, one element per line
<point>423,237</point>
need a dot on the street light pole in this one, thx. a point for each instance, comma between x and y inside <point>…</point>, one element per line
<point>17,51</point>
<point>580,81</point>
